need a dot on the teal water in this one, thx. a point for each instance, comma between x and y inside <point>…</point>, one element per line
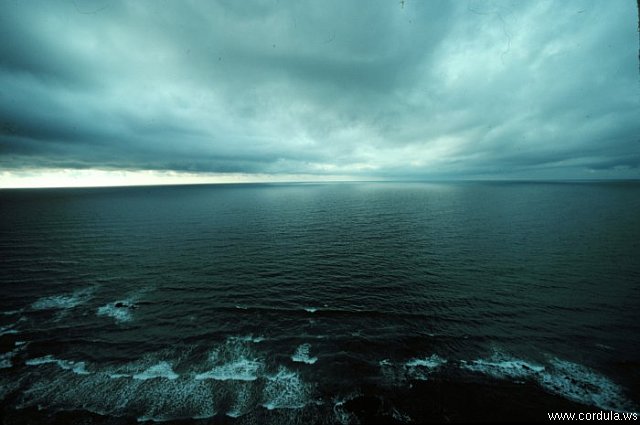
<point>290,300</point>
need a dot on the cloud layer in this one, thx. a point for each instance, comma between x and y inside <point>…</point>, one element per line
<point>383,89</point>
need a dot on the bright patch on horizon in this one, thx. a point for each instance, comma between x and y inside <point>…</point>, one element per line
<point>106,178</point>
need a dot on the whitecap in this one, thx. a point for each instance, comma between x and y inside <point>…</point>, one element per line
<point>579,383</point>
<point>566,379</point>
<point>75,367</point>
<point>247,338</point>
<point>160,370</point>
<point>416,368</point>
<point>432,362</point>
<point>421,368</point>
<point>302,355</point>
<point>233,361</point>
<point>501,366</point>
<point>241,369</point>
<point>119,314</point>
<point>311,309</point>
<point>343,416</point>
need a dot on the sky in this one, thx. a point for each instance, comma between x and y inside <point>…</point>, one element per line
<point>101,92</point>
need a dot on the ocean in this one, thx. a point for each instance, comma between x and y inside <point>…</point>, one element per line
<point>326,303</point>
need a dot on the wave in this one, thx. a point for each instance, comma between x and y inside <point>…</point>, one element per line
<point>248,338</point>
<point>122,310</point>
<point>147,399</point>
<point>119,313</point>
<point>233,361</point>
<point>151,389</point>
<point>75,367</point>
<point>160,370</point>
<point>342,415</point>
<point>241,403</point>
<point>241,369</point>
<point>560,377</point>
<point>501,366</point>
<point>8,330</point>
<point>286,390</point>
<point>234,380</point>
<point>421,368</point>
<point>302,355</point>
<point>432,362</point>
<point>416,368</point>
<point>579,383</point>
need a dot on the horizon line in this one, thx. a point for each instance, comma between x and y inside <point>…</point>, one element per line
<point>318,182</point>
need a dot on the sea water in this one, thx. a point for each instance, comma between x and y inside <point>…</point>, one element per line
<point>323,303</point>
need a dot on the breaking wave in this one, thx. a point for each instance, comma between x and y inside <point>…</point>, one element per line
<point>566,379</point>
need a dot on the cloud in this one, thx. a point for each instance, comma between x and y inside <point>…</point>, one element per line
<point>378,89</point>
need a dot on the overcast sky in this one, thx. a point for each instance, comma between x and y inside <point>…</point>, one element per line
<point>364,89</point>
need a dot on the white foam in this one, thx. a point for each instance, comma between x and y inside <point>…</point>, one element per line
<point>120,314</point>
<point>241,403</point>
<point>66,301</point>
<point>75,367</point>
<point>160,370</point>
<point>421,368</point>
<point>501,366</point>
<point>150,389</point>
<point>248,338</point>
<point>569,380</point>
<point>581,384</point>
<point>311,309</point>
<point>151,399</point>
<point>7,330</point>
<point>241,369</point>
<point>432,362</point>
<point>416,368</point>
<point>343,416</point>
<point>285,390</point>
<point>302,355</point>
<point>233,361</point>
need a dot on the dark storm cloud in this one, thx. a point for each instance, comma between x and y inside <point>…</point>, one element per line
<point>382,88</point>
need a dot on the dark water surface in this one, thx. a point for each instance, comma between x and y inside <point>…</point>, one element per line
<point>327,303</point>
